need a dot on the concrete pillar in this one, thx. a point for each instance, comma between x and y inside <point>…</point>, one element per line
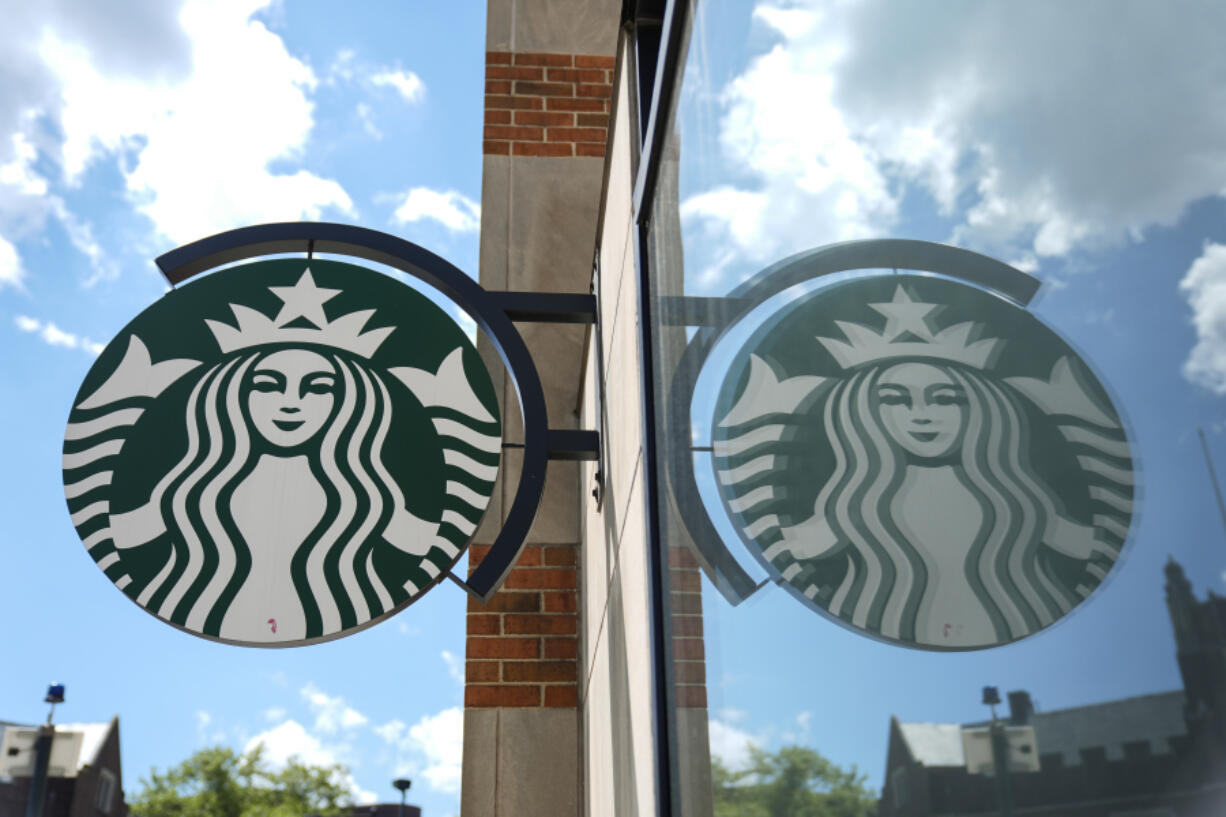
<point>548,78</point>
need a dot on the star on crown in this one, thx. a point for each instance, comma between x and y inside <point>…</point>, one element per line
<point>303,302</point>
<point>907,333</point>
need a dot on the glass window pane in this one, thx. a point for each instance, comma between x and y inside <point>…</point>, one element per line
<point>900,474</point>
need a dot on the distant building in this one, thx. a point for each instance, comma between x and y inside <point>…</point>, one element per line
<point>1158,755</point>
<point>85,776</point>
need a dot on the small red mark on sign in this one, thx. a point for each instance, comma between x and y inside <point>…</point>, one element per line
<point>273,623</point>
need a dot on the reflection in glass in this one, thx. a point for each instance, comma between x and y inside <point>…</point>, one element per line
<point>996,128</point>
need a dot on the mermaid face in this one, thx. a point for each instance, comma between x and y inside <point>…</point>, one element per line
<point>922,409</point>
<point>291,396</point>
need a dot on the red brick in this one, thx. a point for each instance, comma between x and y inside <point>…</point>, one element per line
<point>477,552</point>
<point>541,671</point>
<point>541,625</point>
<point>687,603</point>
<point>680,557</point>
<point>495,149</point>
<point>562,697</point>
<point>477,696</point>
<point>504,602</point>
<point>600,91</point>
<point>557,578</point>
<point>561,647</point>
<point>529,555</point>
<point>497,57</point>
<point>484,625</point>
<point>561,104</point>
<point>575,135</point>
<point>503,647</point>
<point>482,671</point>
<point>504,72</point>
<point>685,581</point>
<point>584,61</point>
<point>563,601</point>
<point>544,88</point>
<point>497,86</point>
<point>589,149</point>
<point>684,626</point>
<point>687,697</point>
<point>544,119</point>
<point>542,149</point>
<point>593,120</point>
<point>684,648</point>
<point>514,132</point>
<point>689,672</point>
<point>517,102</point>
<point>499,117</point>
<point>574,75</point>
<point>527,58</point>
<point>561,555</point>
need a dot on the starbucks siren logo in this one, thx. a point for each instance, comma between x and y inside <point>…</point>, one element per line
<point>276,455</point>
<point>924,462</point>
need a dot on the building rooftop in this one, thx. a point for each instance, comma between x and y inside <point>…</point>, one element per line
<point>1150,719</point>
<point>68,756</point>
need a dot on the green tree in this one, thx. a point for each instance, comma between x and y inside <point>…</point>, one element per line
<point>218,782</point>
<point>793,782</point>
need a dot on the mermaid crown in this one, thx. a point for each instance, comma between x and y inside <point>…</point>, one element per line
<point>907,333</point>
<point>300,320</point>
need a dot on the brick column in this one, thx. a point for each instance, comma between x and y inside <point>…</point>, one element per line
<point>546,104</point>
<point>522,645</point>
<point>689,652</point>
<point>547,88</point>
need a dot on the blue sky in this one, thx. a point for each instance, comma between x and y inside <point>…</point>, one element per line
<point>1081,142</point>
<point>128,131</point>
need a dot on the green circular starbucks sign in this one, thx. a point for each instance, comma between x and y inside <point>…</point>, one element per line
<point>282,452</point>
<point>923,462</point>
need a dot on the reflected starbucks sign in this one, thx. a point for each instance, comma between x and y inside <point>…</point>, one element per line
<point>922,461</point>
<point>282,452</point>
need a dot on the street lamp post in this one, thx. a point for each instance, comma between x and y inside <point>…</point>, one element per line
<point>1000,754</point>
<point>42,754</point>
<point>403,785</point>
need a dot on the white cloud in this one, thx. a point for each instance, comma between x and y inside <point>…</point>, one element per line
<point>142,38</point>
<point>196,154</point>
<point>406,83</point>
<point>453,210</point>
<point>275,713</point>
<point>332,714</point>
<point>798,732</point>
<point>52,335</point>
<point>1032,152</point>
<point>342,67</point>
<point>1204,286</point>
<point>392,732</point>
<point>11,272</point>
<point>432,747</point>
<point>730,744</point>
<point>366,116</point>
<point>455,666</point>
<point>290,739</point>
